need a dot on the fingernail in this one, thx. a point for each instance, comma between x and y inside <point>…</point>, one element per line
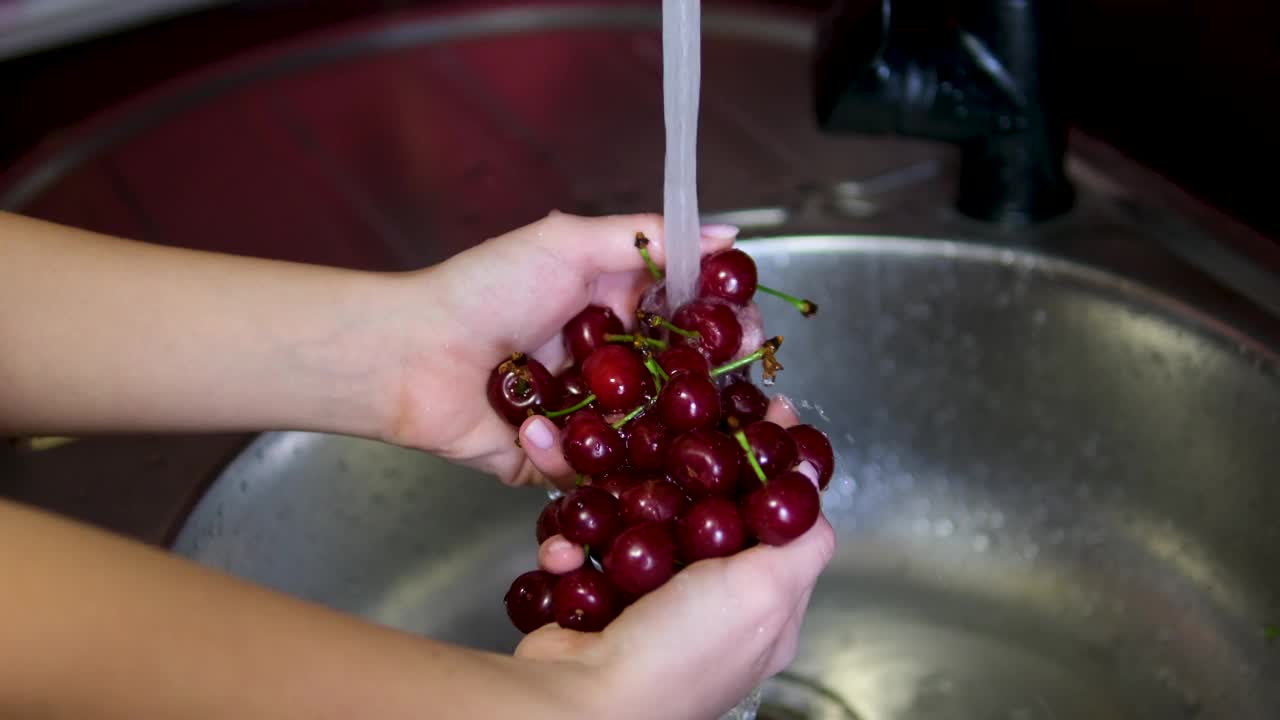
<point>807,469</point>
<point>719,231</point>
<point>558,544</point>
<point>787,404</point>
<point>539,435</point>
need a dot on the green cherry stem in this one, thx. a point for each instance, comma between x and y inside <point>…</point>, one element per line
<point>765,352</point>
<point>807,308</point>
<point>642,244</point>
<point>640,339</point>
<point>632,415</point>
<point>656,370</point>
<point>580,480</point>
<point>574,408</point>
<point>741,437</point>
<point>654,320</point>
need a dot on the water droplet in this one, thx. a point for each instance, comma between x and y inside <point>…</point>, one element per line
<point>981,543</point>
<point>943,527</point>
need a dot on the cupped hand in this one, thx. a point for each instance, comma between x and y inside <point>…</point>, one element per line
<point>511,293</point>
<point>705,639</point>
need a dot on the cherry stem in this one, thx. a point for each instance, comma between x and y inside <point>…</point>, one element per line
<point>751,457</point>
<point>765,353</point>
<point>574,408</point>
<point>656,370</point>
<point>633,414</point>
<point>637,339</point>
<point>580,480</point>
<point>655,320</point>
<point>642,244</point>
<point>807,308</point>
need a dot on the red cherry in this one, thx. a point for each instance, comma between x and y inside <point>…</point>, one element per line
<point>648,443</point>
<point>589,516</point>
<point>616,375</point>
<point>584,600</point>
<point>705,462</point>
<point>680,357</point>
<point>712,527</point>
<point>529,600</point>
<point>590,445</point>
<point>743,401</point>
<point>813,445</point>
<point>774,449</point>
<point>654,500</point>
<point>585,332</point>
<point>729,274</point>
<point>641,558</point>
<point>518,385</point>
<point>549,520</point>
<point>783,510</point>
<point>617,481</point>
<point>716,324</point>
<point>688,401</point>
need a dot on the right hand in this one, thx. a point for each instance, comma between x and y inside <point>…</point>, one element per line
<point>695,647</point>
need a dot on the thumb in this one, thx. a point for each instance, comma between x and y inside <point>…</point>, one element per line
<point>596,245</point>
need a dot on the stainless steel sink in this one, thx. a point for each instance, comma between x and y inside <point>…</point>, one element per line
<point>1056,497</point>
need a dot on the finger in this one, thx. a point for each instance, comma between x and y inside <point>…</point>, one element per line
<point>781,411</point>
<point>552,642</point>
<point>595,245</point>
<point>784,652</point>
<point>553,355</point>
<point>796,565</point>
<point>540,439</point>
<point>559,556</point>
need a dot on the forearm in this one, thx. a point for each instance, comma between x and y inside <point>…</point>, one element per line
<point>96,626</point>
<point>102,334</point>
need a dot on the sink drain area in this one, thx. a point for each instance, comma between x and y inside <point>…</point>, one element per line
<point>788,696</point>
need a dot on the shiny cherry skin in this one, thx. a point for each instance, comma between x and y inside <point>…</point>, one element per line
<point>585,600</point>
<point>616,375</point>
<point>648,443</point>
<point>518,385</point>
<point>716,324</point>
<point>681,357</point>
<point>705,463</point>
<point>774,449</point>
<point>710,528</point>
<point>617,481</point>
<point>549,520</point>
<point>783,510</point>
<point>529,600</point>
<point>590,445</point>
<point>584,333</point>
<point>743,401</point>
<point>688,401</point>
<point>813,445</point>
<point>654,500</point>
<point>589,516</point>
<point>729,274</point>
<point>641,558</point>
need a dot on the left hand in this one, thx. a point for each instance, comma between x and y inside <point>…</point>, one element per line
<point>511,293</point>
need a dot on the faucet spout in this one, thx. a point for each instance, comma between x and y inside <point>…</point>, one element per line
<point>986,79</point>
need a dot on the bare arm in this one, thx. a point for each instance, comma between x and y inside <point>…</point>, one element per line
<point>98,627</point>
<point>102,334</point>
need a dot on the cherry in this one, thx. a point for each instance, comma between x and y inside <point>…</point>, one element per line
<point>616,482</point>
<point>648,442</point>
<point>641,558</point>
<point>518,385</point>
<point>716,325</point>
<point>813,445</point>
<point>782,510</point>
<point>705,462</point>
<point>572,388</point>
<point>729,274</point>
<point>616,375</point>
<point>680,357</point>
<point>589,516</point>
<point>585,332</point>
<point>688,401</point>
<point>774,449</point>
<point>529,600</point>
<point>584,600</point>
<point>590,445</point>
<point>712,527</point>
<point>743,401</point>
<point>654,500</point>
<point>549,520</point>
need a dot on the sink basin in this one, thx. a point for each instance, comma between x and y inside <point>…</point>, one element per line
<point>1055,497</point>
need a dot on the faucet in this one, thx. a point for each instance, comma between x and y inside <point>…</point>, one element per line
<point>987,78</point>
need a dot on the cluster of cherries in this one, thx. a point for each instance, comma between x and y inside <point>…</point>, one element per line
<point>666,431</point>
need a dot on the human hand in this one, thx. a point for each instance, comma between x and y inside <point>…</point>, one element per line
<point>706,638</point>
<point>511,293</point>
